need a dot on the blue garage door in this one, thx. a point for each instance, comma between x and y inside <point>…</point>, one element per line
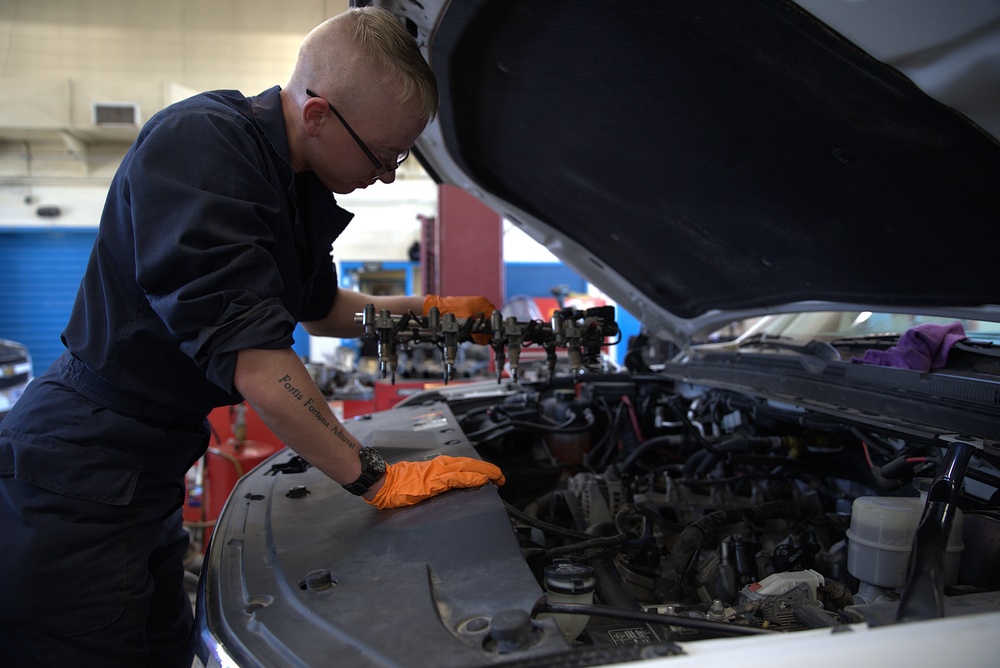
<point>538,279</point>
<point>40,271</point>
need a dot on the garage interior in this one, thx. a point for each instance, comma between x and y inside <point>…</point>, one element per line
<point>79,79</point>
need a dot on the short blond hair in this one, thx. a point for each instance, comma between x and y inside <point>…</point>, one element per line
<point>364,50</point>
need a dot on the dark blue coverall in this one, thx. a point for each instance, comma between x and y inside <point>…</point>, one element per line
<point>208,244</point>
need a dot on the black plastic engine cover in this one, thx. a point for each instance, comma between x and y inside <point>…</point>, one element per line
<point>416,586</point>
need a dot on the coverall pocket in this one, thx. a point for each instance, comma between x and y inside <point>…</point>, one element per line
<point>64,567</point>
<point>73,471</point>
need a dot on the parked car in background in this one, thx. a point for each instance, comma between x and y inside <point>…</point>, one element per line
<point>817,483</point>
<point>15,373</point>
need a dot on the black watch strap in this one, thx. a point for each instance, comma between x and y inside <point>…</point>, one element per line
<point>372,468</point>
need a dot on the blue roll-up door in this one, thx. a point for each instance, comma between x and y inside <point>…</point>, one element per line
<point>40,271</point>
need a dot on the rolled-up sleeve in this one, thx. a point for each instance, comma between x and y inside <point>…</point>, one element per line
<point>206,232</point>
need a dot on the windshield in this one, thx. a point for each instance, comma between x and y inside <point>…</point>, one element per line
<point>832,325</point>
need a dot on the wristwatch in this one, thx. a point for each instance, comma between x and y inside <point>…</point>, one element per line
<point>372,468</point>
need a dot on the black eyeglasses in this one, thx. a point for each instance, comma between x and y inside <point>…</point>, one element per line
<point>382,169</point>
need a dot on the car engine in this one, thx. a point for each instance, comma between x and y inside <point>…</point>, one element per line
<point>726,508</point>
<point>637,496</point>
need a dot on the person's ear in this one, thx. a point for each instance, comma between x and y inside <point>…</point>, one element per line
<point>314,115</point>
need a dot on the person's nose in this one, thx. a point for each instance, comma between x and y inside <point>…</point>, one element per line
<point>388,177</point>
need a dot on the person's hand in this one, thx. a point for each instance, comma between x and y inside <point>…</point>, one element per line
<point>463,307</point>
<point>407,483</point>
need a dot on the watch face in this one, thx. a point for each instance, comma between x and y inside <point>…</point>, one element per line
<point>372,463</point>
<point>372,468</point>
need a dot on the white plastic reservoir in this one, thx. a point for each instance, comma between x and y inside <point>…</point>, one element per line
<point>881,537</point>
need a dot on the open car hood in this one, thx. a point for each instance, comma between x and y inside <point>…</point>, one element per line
<point>700,162</point>
<point>705,162</point>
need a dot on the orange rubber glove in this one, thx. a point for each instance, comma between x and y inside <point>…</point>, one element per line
<point>463,307</point>
<point>407,483</point>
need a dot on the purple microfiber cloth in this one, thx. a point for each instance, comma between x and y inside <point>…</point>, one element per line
<point>921,348</point>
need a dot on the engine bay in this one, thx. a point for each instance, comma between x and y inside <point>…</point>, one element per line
<point>729,509</point>
<point>717,494</point>
<point>727,512</point>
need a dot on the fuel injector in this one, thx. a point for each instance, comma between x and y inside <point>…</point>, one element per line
<point>497,342</point>
<point>449,330</point>
<point>514,334</point>
<point>387,356</point>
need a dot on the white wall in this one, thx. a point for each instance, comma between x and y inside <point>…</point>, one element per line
<point>247,44</point>
<point>59,56</point>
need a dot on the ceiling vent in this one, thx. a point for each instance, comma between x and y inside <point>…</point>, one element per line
<point>116,114</point>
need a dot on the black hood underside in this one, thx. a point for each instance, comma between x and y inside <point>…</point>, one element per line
<point>721,155</point>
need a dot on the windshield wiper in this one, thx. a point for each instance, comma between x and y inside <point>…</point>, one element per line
<point>868,341</point>
<point>763,339</point>
<point>815,348</point>
<point>977,347</point>
<point>885,341</point>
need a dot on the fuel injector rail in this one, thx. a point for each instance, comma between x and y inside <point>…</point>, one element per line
<point>581,333</point>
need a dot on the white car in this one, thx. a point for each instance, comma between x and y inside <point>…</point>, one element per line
<point>818,177</point>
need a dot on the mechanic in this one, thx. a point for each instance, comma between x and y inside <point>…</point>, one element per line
<point>214,243</point>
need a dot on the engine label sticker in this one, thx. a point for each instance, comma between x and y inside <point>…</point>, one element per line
<point>639,635</point>
<point>427,421</point>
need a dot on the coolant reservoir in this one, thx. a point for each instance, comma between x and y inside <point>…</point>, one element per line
<point>881,537</point>
<point>566,582</point>
<point>569,446</point>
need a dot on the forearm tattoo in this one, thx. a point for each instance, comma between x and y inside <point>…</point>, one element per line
<point>316,411</point>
